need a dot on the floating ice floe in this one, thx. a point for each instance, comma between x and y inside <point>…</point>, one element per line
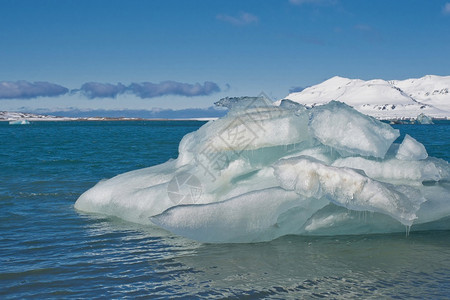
<point>265,171</point>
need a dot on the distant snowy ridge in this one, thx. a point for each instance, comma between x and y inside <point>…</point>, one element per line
<point>395,99</point>
<point>15,116</point>
<point>12,116</point>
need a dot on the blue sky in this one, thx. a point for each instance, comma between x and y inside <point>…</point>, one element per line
<point>62,54</point>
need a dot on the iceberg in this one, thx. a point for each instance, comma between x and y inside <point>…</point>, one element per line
<point>424,119</point>
<point>265,171</point>
<point>19,122</point>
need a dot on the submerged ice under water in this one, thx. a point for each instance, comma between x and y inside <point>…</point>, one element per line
<point>265,171</point>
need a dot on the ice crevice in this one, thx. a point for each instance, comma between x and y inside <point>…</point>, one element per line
<point>265,171</point>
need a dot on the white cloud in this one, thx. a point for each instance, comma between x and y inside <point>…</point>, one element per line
<point>446,9</point>
<point>363,27</point>
<point>369,33</point>
<point>301,2</point>
<point>242,19</point>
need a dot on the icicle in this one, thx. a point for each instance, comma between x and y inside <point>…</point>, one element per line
<point>408,229</point>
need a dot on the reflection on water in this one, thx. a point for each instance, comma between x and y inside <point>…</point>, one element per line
<point>107,257</point>
<point>329,266</point>
<point>372,266</point>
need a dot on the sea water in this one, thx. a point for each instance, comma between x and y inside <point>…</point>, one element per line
<point>48,249</point>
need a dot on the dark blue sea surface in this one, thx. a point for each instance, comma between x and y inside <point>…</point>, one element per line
<point>50,250</point>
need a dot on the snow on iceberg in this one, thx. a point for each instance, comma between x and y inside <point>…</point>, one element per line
<point>265,171</point>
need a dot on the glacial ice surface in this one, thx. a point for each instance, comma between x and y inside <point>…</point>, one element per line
<point>410,149</point>
<point>265,171</point>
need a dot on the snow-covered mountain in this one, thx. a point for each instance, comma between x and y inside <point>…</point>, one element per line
<point>432,90</point>
<point>383,99</point>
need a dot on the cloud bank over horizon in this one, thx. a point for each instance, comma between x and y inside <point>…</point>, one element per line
<point>25,90</point>
<point>151,90</point>
<point>101,90</point>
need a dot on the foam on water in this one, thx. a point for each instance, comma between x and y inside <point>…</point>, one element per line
<point>266,171</point>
